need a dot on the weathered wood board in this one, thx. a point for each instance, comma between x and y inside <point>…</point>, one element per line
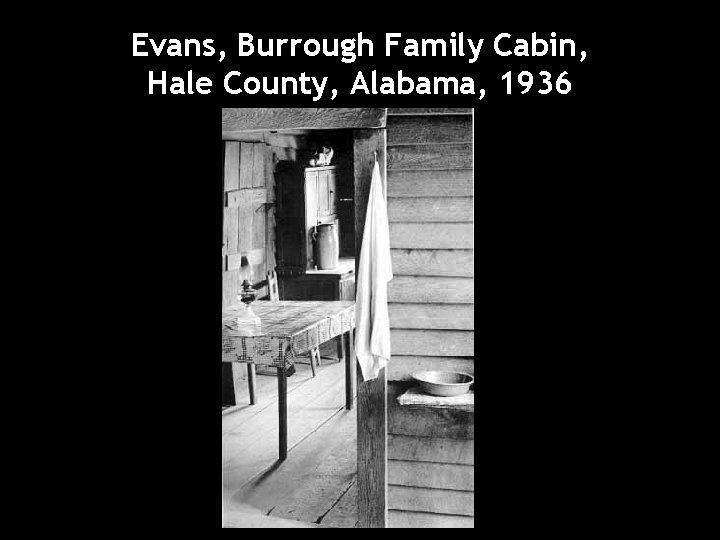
<point>398,519</point>
<point>431,475</point>
<point>254,119</point>
<point>432,342</point>
<point>457,451</point>
<point>440,290</point>
<point>446,156</point>
<point>438,501</point>
<point>430,111</point>
<point>430,210</point>
<point>432,316</point>
<point>433,262</point>
<point>441,183</point>
<point>432,235</point>
<point>403,130</point>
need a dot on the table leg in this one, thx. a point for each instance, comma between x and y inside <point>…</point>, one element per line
<point>282,411</point>
<point>251,382</point>
<point>349,355</point>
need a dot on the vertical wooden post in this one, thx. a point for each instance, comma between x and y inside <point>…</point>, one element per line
<point>282,412</point>
<point>371,395</point>
<point>251,383</point>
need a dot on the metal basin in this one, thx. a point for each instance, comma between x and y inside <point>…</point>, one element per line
<point>444,383</point>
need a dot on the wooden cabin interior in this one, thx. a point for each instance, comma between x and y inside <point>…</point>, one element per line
<point>381,464</point>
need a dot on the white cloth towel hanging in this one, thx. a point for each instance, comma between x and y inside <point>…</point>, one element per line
<point>372,323</point>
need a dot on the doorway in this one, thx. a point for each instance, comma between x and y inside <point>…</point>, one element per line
<point>364,131</point>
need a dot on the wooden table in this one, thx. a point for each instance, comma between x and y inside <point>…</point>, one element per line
<point>290,328</point>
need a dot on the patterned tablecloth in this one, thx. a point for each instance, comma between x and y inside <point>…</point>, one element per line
<point>288,328</point>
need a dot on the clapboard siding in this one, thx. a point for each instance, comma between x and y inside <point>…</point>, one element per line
<point>432,342</point>
<point>431,475</point>
<point>402,367</point>
<point>433,262</point>
<point>430,210</point>
<point>430,111</point>
<point>431,235</point>
<point>402,519</point>
<point>453,451</point>
<point>432,316</point>
<point>431,307</point>
<point>431,290</point>
<point>441,183</point>
<point>440,501</point>
<point>446,156</point>
<point>403,130</point>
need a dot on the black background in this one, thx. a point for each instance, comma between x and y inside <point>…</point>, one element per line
<point>141,269</point>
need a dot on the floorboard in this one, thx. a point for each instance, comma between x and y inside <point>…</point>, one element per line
<point>316,484</point>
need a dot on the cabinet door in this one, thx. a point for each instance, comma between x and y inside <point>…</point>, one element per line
<point>326,193</point>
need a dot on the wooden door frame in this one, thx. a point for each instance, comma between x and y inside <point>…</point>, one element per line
<point>369,137</point>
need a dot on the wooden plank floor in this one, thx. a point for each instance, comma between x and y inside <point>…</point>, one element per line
<point>316,485</point>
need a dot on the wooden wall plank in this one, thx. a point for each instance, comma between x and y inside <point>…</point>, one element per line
<point>431,210</point>
<point>403,130</point>
<point>230,217</point>
<point>431,475</point>
<point>230,287</point>
<point>431,235</point>
<point>430,110</point>
<point>437,501</point>
<point>232,165</point>
<point>371,395</point>
<point>252,119</point>
<point>432,342</point>
<point>446,156</point>
<point>399,519</point>
<point>402,367</point>
<point>258,176</point>
<point>257,196</point>
<point>432,316</point>
<point>433,262</point>
<point>441,290</point>
<point>246,165</point>
<point>426,421</point>
<point>448,183</point>
<point>402,447</point>
<point>246,215</point>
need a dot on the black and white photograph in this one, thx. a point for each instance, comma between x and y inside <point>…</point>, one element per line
<point>347,318</point>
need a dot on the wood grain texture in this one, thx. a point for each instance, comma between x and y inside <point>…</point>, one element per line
<point>442,183</point>
<point>398,519</point>
<point>434,290</point>
<point>404,130</point>
<point>405,448</point>
<point>430,111</point>
<point>426,421</point>
<point>432,342</point>
<point>246,165</point>
<point>433,262</point>
<point>232,165</point>
<point>447,156</point>
<point>230,220</point>
<point>402,367</point>
<point>431,475</point>
<point>430,210</point>
<point>371,395</point>
<point>432,316</point>
<point>234,120</point>
<point>258,178</point>
<point>437,501</point>
<point>432,235</point>
<point>255,196</point>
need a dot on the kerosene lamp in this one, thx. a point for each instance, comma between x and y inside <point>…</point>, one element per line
<point>248,322</point>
